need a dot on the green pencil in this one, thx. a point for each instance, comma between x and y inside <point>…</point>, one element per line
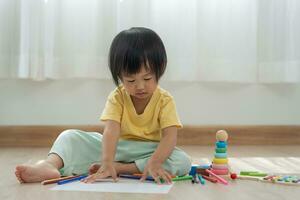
<point>182,178</point>
<point>253,173</point>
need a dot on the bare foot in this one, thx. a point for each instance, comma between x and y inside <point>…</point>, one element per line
<point>29,173</point>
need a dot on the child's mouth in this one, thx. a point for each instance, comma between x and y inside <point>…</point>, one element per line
<point>141,93</point>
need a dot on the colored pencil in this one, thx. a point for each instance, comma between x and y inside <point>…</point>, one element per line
<point>55,180</point>
<point>149,178</point>
<point>129,176</point>
<point>217,177</point>
<point>249,173</point>
<point>197,180</point>
<point>211,179</point>
<point>172,176</point>
<point>202,181</point>
<point>182,178</point>
<point>254,178</point>
<point>71,180</point>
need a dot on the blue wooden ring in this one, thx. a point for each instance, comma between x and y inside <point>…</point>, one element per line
<point>221,144</point>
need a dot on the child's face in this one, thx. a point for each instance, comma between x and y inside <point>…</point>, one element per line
<point>140,85</point>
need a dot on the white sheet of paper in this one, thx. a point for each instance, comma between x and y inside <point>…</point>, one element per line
<point>122,186</point>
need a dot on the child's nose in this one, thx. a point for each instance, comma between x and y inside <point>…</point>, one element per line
<point>140,85</point>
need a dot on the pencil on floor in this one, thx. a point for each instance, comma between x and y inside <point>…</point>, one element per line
<point>72,180</point>
<point>219,178</point>
<point>129,176</point>
<point>172,176</point>
<point>201,179</point>
<point>182,178</point>
<point>55,180</point>
<point>211,179</point>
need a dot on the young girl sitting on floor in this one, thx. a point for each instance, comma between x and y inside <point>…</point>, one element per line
<point>140,121</point>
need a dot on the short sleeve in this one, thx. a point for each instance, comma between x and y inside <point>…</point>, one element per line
<point>113,107</point>
<point>168,114</point>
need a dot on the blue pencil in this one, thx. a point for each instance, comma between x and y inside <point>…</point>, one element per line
<point>71,180</point>
<point>149,178</point>
<point>202,181</point>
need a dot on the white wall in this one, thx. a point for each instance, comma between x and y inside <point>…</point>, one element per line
<point>77,101</point>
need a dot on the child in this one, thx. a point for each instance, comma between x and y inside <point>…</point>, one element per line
<point>140,121</point>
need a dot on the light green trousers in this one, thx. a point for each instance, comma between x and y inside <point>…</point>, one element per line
<point>79,149</point>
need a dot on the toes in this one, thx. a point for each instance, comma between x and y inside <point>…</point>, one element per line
<point>20,180</point>
<point>18,175</point>
<point>20,168</point>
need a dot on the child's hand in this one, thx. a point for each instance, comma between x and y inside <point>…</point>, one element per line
<point>106,170</point>
<point>156,170</point>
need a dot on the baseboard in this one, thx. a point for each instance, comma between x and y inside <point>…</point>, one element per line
<point>44,136</point>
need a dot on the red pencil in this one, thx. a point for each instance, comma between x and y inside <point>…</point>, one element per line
<point>211,179</point>
<point>219,178</point>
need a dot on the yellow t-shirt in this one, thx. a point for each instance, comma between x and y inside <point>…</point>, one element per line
<point>159,113</point>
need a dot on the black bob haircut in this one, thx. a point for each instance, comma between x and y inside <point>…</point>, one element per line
<point>134,48</point>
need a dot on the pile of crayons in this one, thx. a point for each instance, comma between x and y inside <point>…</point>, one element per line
<point>150,178</point>
<point>204,172</point>
<point>69,179</point>
<point>195,176</point>
<point>198,174</point>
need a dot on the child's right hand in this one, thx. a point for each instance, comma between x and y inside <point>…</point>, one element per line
<point>106,170</point>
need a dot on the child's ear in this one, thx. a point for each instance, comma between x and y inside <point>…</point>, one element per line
<point>120,80</point>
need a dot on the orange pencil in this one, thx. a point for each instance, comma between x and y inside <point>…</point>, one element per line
<point>55,180</point>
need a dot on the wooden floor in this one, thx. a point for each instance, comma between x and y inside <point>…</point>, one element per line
<point>271,159</point>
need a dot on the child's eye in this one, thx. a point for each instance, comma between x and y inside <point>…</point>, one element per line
<point>130,81</point>
<point>147,79</point>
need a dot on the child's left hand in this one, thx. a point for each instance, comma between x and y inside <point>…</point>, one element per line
<point>156,170</point>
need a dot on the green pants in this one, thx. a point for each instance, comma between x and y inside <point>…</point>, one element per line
<point>79,149</point>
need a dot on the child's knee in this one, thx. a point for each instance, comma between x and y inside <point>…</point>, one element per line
<point>185,165</point>
<point>181,164</point>
<point>68,135</point>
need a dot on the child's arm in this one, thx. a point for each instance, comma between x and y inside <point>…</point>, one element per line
<point>166,145</point>
<point>163,151</point>
<point>110,138</point>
